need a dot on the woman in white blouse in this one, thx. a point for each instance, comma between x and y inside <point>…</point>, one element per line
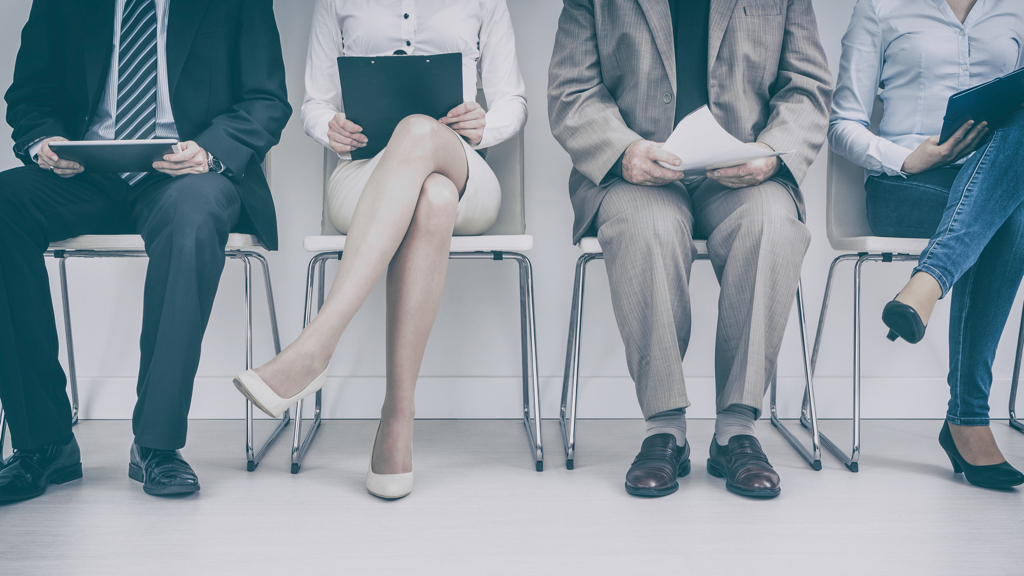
<point>967,193</point>
<point>400,208</point>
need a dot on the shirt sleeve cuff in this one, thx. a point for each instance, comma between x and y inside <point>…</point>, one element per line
<point>893,157</point>
<point>33,149</point>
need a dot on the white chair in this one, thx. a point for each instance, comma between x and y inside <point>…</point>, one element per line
<point>848,231</point>
<point>570,384</point>
<point>241,247</point>
<point>506,240</point>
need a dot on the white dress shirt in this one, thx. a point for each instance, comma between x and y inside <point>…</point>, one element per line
<point>919,54</point>
<point>480,29</point>
<point>104,123</point>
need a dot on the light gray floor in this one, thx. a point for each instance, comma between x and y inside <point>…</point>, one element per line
<point>480,508</point>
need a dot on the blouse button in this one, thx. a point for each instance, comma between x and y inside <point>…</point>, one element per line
<point>964,67</point>
<point>407,43</point>
<point>406,16</point>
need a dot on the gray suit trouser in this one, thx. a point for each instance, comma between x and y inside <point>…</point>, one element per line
<point>756,244</point>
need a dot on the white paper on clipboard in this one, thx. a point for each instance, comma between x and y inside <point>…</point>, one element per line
<point>702,144</point>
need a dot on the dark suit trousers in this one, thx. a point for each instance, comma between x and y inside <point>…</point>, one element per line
<point>185,223</point>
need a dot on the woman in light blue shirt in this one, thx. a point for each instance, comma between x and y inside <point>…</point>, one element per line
<point>966,194</point>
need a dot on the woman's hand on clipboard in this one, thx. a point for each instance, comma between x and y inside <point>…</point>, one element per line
<point>468,120</point>
<point>344,135</point>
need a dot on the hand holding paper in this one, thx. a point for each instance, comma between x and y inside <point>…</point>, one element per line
<point>703,145</point>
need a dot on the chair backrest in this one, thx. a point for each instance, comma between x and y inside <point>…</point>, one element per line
<point>846,203</point>
<point>506,159</point>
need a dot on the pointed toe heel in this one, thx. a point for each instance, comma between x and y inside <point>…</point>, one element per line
<point>255,389</point>
<point>1000,476</point>
<point>903,322</point>
<point>387,486</point>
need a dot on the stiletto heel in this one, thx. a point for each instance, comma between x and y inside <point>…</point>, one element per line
<point>254,388</point>
<point>903,321</point>
<point>997,476</point>
<point>387,486</point>
<point>956,467</point>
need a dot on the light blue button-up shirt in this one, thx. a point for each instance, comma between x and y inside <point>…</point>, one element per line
<point>914,55</point>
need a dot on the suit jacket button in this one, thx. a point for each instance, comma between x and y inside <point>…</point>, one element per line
<point>667,97</point>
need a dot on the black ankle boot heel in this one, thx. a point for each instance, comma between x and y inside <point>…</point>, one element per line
<point>903,322</point>
<point>997,476</point>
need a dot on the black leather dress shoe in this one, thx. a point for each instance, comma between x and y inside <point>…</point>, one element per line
<point>658,465</point>
<point>744,466</point>
<point>162,472</point>
<point>26,474</point>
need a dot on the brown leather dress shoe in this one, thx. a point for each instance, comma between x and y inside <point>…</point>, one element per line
<point>658,465</point>
<point>744,466</point>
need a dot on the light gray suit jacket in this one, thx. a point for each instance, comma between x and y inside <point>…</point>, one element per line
<point>612,81</point>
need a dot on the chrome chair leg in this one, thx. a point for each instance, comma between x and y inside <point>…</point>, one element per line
<point>812,456</point>
<point>72,375</point>
<point>1014,422</point>
<point>315,274</point>
<point>531,378</point>
<point>252,455</point>
<point>571,380</point>
<point>3,432</point>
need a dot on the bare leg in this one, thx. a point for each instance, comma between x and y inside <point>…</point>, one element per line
<point>415,284</point>
<point>420,146</point>
<point>921,293</point>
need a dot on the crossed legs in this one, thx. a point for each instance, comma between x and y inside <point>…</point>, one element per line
<point>403,224</point>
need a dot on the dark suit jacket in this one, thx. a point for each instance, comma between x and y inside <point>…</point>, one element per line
<point>225,75</point>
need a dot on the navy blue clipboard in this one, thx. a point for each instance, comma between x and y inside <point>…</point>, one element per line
<point>379,91</point>
<point>990,102</point>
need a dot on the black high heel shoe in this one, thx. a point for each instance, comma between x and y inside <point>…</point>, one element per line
<point>903,322</point>
<point>998,476</point>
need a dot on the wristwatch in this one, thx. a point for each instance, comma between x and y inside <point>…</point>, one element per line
<point>213,164</point>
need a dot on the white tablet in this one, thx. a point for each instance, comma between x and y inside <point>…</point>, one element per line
<point>115,155</point>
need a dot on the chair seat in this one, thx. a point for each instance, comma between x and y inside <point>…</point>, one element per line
<point>590,245</point>
<point>134,243</point>
<point>879,245</point>
<point>516,243</point>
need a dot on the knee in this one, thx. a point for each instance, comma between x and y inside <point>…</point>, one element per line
<point>771,225</point>
<point>199,207</point>
<point>655,233</point>
<point>438,201</point>
<point>416,135</point>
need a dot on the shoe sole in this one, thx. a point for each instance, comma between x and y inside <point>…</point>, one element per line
<point>245,392</point>
<point>62,476</point>
<point>716,470</point>
<point>684,469</point>
<point>136,473</point>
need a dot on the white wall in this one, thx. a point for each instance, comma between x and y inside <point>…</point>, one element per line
<point>472,363</point>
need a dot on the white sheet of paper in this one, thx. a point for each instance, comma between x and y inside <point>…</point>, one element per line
<point>702,144</point>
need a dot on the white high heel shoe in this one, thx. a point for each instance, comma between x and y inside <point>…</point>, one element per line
<point>254,388</point>
<point>387,486</point>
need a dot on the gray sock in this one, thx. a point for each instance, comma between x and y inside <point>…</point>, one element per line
<point>735,420</point>
<point>669,422</point>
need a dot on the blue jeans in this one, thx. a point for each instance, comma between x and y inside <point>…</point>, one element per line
<point>977,245</point>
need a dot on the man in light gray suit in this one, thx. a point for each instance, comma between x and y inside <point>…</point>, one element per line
<point>623,73</point>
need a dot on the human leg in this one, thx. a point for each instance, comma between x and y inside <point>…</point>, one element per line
<point>415,283</point>
<point>419,147</point>
<point>185,223</point>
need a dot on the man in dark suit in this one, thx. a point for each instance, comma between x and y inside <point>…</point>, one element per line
<point>208,73</point>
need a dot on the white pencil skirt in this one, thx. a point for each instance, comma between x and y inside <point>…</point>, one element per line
<point>478,207</point>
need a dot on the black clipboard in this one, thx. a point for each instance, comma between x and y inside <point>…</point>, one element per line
<point>990,102</point>
<point>379,91</point>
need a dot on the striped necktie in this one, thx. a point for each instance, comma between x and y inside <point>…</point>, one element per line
<point>136,76</point>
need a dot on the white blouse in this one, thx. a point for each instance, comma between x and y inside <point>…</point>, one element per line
<point>920,54</point>
<point>480,29</point>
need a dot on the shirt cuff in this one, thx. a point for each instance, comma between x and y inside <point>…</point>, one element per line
<point>33,149</point>
<point>893,157</point>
